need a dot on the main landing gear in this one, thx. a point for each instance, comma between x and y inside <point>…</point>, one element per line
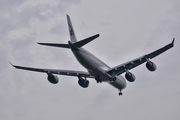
<point>98,79</point>
<point>111,79</point>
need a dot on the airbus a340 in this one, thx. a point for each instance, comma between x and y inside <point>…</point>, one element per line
<point>96,69</point>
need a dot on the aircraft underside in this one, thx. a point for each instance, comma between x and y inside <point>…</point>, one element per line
<point>97,69</point>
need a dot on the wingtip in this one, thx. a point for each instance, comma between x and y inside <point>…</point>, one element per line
<point>173,41</point>
<point>11,63</point>
<point>41,43</point>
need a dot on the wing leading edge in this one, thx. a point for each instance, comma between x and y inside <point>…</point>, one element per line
<point>138,61</point>
<point>55,71</point>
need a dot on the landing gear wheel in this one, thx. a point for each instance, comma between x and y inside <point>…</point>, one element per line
<point>98,79</point>
<point>111,79</point>
<point>114,78</point>
<point>120,94</point>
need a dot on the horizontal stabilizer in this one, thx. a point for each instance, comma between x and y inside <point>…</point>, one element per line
<point>55,45</point>
<point>85,41</point>
<point>77,44</point>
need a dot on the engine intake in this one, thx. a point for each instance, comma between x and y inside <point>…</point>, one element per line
<point>130,77</point>
<point>83,82</point>
<point>150,66</point>
<point>52,79</point>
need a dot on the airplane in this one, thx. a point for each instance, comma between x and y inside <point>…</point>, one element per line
<point>96,69</point>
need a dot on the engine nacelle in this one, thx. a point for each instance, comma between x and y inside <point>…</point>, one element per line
<point>83,83</point>
<point>130,77</point>
<point>52,79</point>
<point>150,66</point>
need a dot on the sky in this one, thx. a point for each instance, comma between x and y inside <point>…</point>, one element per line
<point>128,29</point>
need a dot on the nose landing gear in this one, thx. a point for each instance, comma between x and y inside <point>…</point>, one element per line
<point>120,93</point>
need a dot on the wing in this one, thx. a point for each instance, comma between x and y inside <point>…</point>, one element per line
<point>136,62</point>
<point>54,71</point>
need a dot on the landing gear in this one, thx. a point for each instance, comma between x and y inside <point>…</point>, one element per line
<point>112,79</point>
<point>120,93</point>
<point>98,79</point>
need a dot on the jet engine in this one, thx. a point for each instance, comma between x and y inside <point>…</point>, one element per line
<point>52,78</point>
<point>150,66</point>
<point>83,82</point>
<point>130,77</point>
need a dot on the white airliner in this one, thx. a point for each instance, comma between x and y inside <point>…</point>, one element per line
<point>95,67</point>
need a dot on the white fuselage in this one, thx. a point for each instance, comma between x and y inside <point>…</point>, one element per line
<point>97,68</point>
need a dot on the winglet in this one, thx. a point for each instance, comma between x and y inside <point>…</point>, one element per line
<point>161,50</point>
<point>11,63</point>
<point>173,41</point>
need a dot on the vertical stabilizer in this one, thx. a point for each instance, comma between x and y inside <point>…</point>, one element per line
<point>71,30</point>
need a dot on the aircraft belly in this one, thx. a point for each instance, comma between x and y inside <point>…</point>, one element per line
<point>96,67</point>
<point>120,83</point>
<point>86,60</point>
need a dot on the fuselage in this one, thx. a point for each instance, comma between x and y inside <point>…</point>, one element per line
<point>96,67</point>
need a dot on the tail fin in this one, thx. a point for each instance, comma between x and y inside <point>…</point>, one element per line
<point>72,37</point>
<point>71,30</point>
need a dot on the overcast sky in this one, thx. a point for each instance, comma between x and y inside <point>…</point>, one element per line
<point>128,29</point>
